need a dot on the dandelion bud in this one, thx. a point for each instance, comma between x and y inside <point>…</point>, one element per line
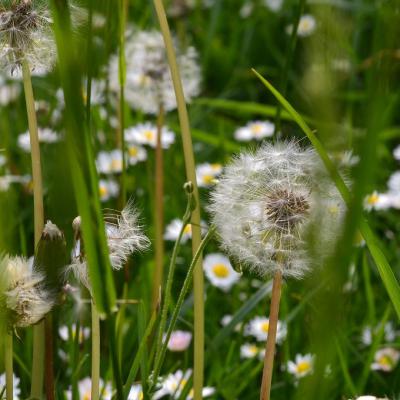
<point>277,210</point>
<point>24,299</point>
<point>188,187</point>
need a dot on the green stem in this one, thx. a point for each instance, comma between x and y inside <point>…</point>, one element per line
<point>159,214</point>
<point>112,325</point>
<point>181,298</point>
<point>95,353</point>
<point>49,357</point>
<point>198,278</point>
<point>8,362</point>
<point>170,278</point>
<point>38,330</point>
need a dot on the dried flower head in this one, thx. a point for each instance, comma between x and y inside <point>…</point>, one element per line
<point>270,203</point>
<point>148,81</point>
<point>124,237</point>
<point>23,296</point>
<point>25,33</point>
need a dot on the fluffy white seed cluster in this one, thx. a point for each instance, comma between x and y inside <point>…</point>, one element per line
<point>276,209</point>
<point>124,237</point>
<point>22,292</point>
<point>25,33</point>
<point>148,81</point>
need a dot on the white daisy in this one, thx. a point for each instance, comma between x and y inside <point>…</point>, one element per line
<point>146,134</point>
<point>173,229</point>
<point>108,189</point>
<point>219,271</point>
<point>396,153</point>
<point>247,9</point>
<point>46,135</point>
<point>307,26</point>
<point>109,162</point>
<point>394,182</point>
<point>16,388</point>
<point>9,91</point>
<point>207,173</point>
<point>84,333</point>
<point>302,366</point>
<point>136,393</point>
<point>226,319</point>
<point>135,153</point>
<point>179,340</point>
<point>258,327</point>
<point>249,350</point>
<point>257,130</point>
<point>385,359</point>
<point>379,201</point>
<point>273,5</point>
<point>7,180</point>
<point>85,390</point>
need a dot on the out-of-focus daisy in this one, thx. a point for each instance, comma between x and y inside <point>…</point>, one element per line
<point>226,319</point>
<point>16,388</point>
<point>273,5</point>
<point>368,397</point>
<point>109,162</point>
<point>307,26</point>
<point>249,350</point>
<point>3,160</point>
<point>219,271</point>
<point>179,340</point>
<point>135,153</point>
<point>385,359</point>
<point>46,135</point>
<point>9,91</point>
<point>85,390</point>
<point>255,130</point>
<point>174,383</point>
<point>258,327</point>
<point>108,189</point>
<point>146,134</point>
<point>396,153</point>
<point>136,393</point>
<point>302,366</point>
<point>390,333</point>
<point>149,83</point>
<point>173,229</point>
<point>394,182</point>
<point>247,9</point>
<point>84,332</point>
<point>7,180</point>
<point>378,201</point>
<point>206,174</point>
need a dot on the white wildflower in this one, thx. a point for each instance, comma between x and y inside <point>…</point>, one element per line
<point>179,340</point>
<point>396,153</point>
<point>394,182</point>
<point>135,154</point>
<point>247,9</point>
<point>258,327</point>
<point>381,201</point>
<point>219,271</point>
<point>307,26</point>
<point>16,388</point>
<point>108,189</point>
<point>109,162</point>
<point>136,393</point>
<point>46,135</point>
<point>9,91</point>
<point>249,350</point>
<point>206,174</point>
<point>385,359</point>
<point>173,229</point>
<point>148,81</point>
<point>273,5</point>
<point>85,390</point>
<point>146,134</point>
<point>25,301</point>
<point>84,333</point>
<point>255,130</point>
<point>302,366</point>
<point>7,180</point>
<point>268,204</point>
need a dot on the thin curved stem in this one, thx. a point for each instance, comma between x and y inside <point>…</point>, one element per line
<point>8,362</point>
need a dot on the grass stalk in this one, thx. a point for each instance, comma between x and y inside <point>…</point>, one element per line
<point>49,358</point>
<point>38,330</point>
<point>198,278</point>
<point>271,339</point>
<point>8,363</point>
<point>112,325</point>
<point>159,214</point>
<point>95,392</point>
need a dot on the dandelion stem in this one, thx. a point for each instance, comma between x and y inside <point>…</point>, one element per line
<point>95,353</point>
<point>271,339</point>
<point>38,330</point>
<point>8,361</point>
<point>159,213</point>
<point>198,277</point>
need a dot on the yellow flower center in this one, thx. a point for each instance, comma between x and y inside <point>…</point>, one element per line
<point>133,151</point>
<point>333,209</point>
<point>188,229</point>
<point>221,270</point>
<point>87,396</point>
<point>253,349</point>
<point>116,164</point>
<point>256,128</point>
<point>103,191</point>
<point>385,361</point>
<point>265,326</point>
<point>208,179</point>
<point>303,366</point>
<point>149,135</point>
<point>372,199</point>
<point>215,166</point>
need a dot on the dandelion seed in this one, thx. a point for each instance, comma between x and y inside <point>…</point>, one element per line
<point>219,271</point>
<point>268,203</point>
<point>22,293</point>
<point>148,82</point>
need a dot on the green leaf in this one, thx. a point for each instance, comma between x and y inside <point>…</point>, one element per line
<point>384,269</point>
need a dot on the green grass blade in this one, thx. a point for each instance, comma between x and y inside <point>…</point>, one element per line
<point>384,269</point>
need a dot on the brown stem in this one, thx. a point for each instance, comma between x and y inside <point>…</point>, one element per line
<point>49,364</point>
<point>271,339</point>
<point>159,213</point>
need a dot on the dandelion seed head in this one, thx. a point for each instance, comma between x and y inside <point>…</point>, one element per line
<point>269,203</point>
<point>23,293</point>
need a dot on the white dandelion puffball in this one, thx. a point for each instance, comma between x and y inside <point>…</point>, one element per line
<point>25,33</point>
<point>148,80</point>
<point>268,204</point>
<point>23,296</point>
